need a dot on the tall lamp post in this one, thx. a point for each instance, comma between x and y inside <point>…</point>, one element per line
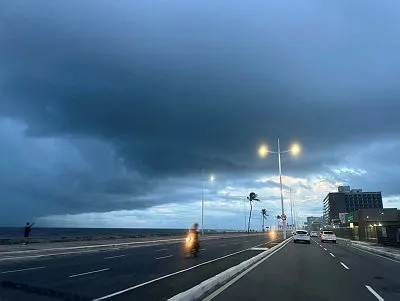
<point>291,207</point>
<point>210,179</point>
<point>292,210</point>
<point>263,151</point>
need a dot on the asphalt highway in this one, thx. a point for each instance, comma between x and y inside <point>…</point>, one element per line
<point>142,273</point>
<point>319,271</point>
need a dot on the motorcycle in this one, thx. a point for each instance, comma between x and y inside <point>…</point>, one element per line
<point>191,248</point>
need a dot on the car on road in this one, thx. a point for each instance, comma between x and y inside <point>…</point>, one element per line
<point>314,234</point>
<point>328,236</point>
<point>301,236</point>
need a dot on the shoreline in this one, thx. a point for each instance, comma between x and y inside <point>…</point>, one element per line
<point>94,238</point>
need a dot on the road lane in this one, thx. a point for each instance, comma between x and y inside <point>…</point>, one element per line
<point>165,288</point>
<point>21,270</point>
<point>127,267</point>
<point>137,257</point>
<point>377,272</point>
<point>298,272</point>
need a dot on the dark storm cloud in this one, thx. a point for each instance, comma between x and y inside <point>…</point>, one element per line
<point>177,87</point>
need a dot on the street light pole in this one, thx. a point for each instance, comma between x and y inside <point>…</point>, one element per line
<point>280,181</point>
<point>294,214</point>
<point>245,214</point>
<point>202,204</point>
<point>262,152</point>
<point>211,179</point>
<point>291,207</point>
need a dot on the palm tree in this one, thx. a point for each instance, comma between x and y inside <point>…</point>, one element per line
<point>264,216</point>
<point>251,209</point>
<point>252,197</point>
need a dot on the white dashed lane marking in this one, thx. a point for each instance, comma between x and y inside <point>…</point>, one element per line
<point>88,273</point>
<point>116,256</point>
<point>22,270</point>
<point>371,290</point>
<point>345,266</point>
<point>163,257</point>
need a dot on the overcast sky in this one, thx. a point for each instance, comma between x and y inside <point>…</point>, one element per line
<point>110,110</point>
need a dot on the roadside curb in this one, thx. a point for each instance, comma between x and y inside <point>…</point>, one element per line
<point>362,246</point>
<point>376,251</point>
<point>207,286</point>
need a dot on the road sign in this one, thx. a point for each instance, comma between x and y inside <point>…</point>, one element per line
<point>350,218</point>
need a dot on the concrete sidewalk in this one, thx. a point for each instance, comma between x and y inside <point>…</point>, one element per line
<point>389,252</point>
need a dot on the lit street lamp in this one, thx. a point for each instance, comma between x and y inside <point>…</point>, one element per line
<point>210,179</point>
<point>263,151</point>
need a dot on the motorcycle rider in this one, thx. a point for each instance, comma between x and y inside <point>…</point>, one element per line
<point>195,232</point>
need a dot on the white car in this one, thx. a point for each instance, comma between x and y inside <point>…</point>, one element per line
<point>301,235</point>
<point>314,234</point>
<point>328,236</point>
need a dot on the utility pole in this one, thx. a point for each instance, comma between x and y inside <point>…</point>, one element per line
<point>202,202</point>
<point>245,214</point>
<point>291,207</point>
<point>281,186</point>
<point>294,213</point>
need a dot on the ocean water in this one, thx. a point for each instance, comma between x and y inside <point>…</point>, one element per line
<point>37,232</point>
<point>53,233</point>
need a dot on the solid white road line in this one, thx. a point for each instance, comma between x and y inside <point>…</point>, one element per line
<point>87,273</point>
<point>44,255</point>
<point>375,254</point>
<point>332,255</point>
<point>160,250</point>
<point>175,273</point>
<point>116,256</point>
<point>163,257</point>
<point>374,293</point>
<point>345,266</point>
<point>325,249</point>
<point>259,249</point>
<point>22,270</point>
<point>224,287</point>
